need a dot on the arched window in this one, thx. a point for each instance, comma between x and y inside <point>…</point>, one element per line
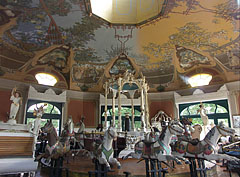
<point>217,111</point>
<point>53,111</point>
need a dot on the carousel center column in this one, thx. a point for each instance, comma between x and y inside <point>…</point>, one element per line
<point>132,92</point>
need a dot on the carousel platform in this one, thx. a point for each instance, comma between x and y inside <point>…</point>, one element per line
<point>79,167</point>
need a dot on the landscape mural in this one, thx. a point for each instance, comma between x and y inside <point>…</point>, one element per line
<point>59,36</point>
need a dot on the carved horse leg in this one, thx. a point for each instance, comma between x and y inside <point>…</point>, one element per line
<point>220,157</point>
<point>183,159</point>
<point>104,161</point>
<point>162,157</point>
<point>115,161</point>
<point>133,155</point>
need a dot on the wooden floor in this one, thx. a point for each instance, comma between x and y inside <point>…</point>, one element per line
<point>79,167</point>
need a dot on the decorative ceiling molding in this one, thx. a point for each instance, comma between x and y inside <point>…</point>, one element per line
<point>199,96</point>
<point>48,95</point>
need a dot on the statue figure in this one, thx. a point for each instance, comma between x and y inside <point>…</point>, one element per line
<point>82,125</point>
<point>204,117</point>
<point>37,123</point>
<point>197,132</point>
<point>16,101</point>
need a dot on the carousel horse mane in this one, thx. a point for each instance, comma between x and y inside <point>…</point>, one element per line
<point>210,133</point>
<point>49,129</point>
<point>163,132</point>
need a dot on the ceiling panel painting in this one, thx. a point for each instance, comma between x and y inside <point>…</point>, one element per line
<point>191,36</point>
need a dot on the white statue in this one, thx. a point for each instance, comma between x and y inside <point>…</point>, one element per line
<point>203,114</point>
<point>82,125</point>
<point>16,101</point>
<point>204,117</point>
<point>37,123</point>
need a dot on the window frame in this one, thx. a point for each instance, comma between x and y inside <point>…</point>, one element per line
<point>48,116</point>
<point>215,116</point>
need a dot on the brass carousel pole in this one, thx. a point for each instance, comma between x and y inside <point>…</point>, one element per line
<point>142,109</point>
<point>106,103</point>
<point>131,92</point>
<point>113,107</point>
<point>119,104</point>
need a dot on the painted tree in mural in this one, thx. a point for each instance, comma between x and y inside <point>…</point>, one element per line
<point>191,35</point>
<point>79,35</point>
<point>37,29</point>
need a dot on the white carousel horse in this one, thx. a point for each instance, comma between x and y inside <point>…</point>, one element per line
<point>159,149</point>
<point>79,136</point>
<point>157,120</point>
<point>104,152</point>
<point>70,126</point>
<point>207,148</point>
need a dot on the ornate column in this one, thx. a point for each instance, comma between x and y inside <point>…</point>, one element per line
<point>119,104</point>
<point>146,106</point>
<point>105,109</point>
<point>142,109</point>
<point>131,93</point>
<point>113,107</point>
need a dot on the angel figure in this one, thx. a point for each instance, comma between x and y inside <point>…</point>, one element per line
<point>16,102</point>
<point>203,114</point>
<point>204,117</point>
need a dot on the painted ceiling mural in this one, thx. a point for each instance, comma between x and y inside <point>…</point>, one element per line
<point>59,37</point>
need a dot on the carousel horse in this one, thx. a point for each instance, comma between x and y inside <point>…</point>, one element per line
<point>186,124</point>
<point>78,137</point>
<point>207,148</point>
<point>56,147</point>
<point>69,126</point>
<point>104,152</point>
<point>160,118</point>
<point>160,149</point>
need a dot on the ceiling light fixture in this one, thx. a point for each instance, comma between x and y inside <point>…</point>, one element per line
<point>200,79</point>
<point>46,79</point>
<point>126,12</point>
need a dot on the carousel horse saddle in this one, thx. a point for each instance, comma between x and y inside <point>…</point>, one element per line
<point>195,149</point>
<point>194,142</point>
<point>148,143</point>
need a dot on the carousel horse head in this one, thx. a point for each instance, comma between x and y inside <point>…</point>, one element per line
<point>48,127</point>
<point>153,135</point>
<point>112,133</point>
<point>224,130</point>
<point>186,121</point>
<point>175,127</point>
<point>69,126</point>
